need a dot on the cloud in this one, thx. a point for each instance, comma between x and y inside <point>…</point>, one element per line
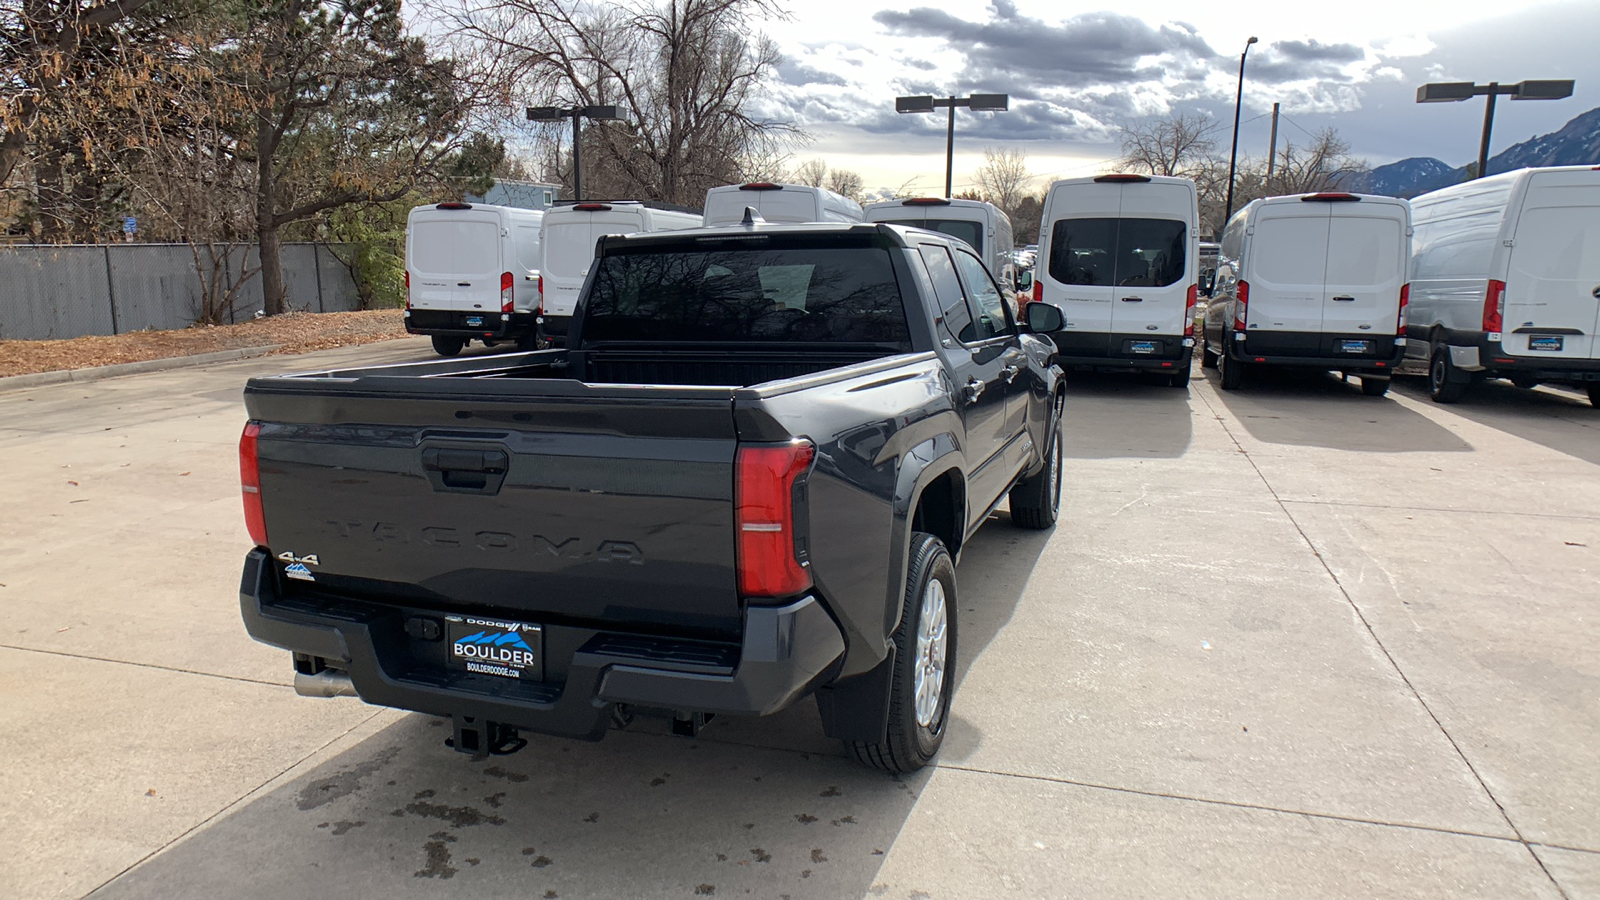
<point>1283,62</point>
<point>794,72</point>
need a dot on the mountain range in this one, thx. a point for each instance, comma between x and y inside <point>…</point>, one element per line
<point>1576,144</point>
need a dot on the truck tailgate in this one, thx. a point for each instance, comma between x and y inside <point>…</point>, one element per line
<point>544,509</point>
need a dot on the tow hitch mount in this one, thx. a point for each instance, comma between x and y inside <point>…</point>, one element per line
<point>481,737</point>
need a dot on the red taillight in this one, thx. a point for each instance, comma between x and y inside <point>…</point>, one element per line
<point>1494,306</point>
<point>593,207</point>
<point>453,204</point>
<point>764,501</point>
<point>1330,197</point>
<point>541,293</point>
<point>250,482</point>
<point>1121,178</point>
<point>408,289</point>
<point>508,293</point>
<point>1400,320</point>
<point>1038,292</point>
<point>1189,307</point>
<point>1242,311</point>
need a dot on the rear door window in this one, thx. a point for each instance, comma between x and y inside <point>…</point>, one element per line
<point>1116,251</point>
<point>1363,250</point>
<point>963,229</point>
<point>1289,251</point>
<point>455,247</point>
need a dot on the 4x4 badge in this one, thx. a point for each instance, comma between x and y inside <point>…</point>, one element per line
<point>290,558</point>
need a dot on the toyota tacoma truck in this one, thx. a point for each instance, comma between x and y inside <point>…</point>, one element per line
<point>747,479</point>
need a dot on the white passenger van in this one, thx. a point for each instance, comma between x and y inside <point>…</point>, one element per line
<point>982,225</point>
<point>1505,281</point>
<point>1312,280</point>
<point>774,202</point>
<point>568,237</point>
<point>472,274</point>
<point>1119,255</point>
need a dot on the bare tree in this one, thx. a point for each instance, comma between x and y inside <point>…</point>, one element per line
<point>846,182</point>
<point>1318,165</point>
<point>1003,178</point>
<point>812,172</point>
<point>684,72</point>
<point>1176,145</point>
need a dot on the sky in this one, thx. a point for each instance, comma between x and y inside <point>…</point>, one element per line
<point>1078,71</point>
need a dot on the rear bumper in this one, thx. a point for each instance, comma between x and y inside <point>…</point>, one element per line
<point>1114,352</point>
<point>1315,351</point>
<point>494,325</point>
<point>785,653</point>
<point>1493,360</point>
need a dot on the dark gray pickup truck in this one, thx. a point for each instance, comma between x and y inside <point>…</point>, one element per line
<point>746,480</point>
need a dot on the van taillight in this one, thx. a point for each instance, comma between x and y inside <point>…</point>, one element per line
<point>408,289</point>
<point>541,292</point>
<point>1189,306</point>
<point>508,292</point>
<point>1494,306</point>
<point>1242,311</point>
<point>1400,320</point>
<point>250,481</point>
<point>768,486</point>
<point>1038,291</point>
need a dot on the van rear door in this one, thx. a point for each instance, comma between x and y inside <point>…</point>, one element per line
<point>453,257</point>
<point>569,251</point>
<point>1365,269</point>
<point>1153,265</point>
<point>1080,270</point>
<point>1552,293</point>
<point>1288,267</point>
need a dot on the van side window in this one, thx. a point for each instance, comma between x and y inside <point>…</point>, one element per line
<point>990,318</point>
<point>1128,252</point>
<point>946,288</point>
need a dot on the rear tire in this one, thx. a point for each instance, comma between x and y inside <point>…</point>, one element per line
<point>448,346</point>
<point>1441,374</point>
<point>1036,502</point>
<point>1525,383</point>
<point>532,341</point>
<point>1180,379</point>
<point>1230,372</point>
<point>1594,394</point>
<point>1208,360</point>
<point>1374,386</point>
<point>924,665</point>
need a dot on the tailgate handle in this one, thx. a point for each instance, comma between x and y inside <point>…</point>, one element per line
<point>1344,299</point>
<point>465,471</point>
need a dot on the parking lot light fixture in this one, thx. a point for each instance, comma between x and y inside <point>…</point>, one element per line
<point>976,102</point>
<point>1457,91</point>
<point>1233,155</point>
<point>577,114</point>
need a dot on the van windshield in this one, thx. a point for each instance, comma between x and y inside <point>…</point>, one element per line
<point>775,291</point>
<point>965,229</point>
<point>1137,252</point>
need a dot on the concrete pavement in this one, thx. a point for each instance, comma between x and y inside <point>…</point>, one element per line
<point>1291,641</point>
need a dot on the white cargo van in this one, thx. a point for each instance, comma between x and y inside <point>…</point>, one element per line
<point>982,225</point>
<point>1505,281</point>
<point>1119,255</point>
<point>472,274</point>
<point>1312,280</point>
<point>778,203</point>
<point>568,237</point>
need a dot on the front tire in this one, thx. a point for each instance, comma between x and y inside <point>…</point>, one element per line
<point>924,665</point>
<point>1036,501</point>
<point>1230,372</point>
<point>1208,360</point>
<point>1442,386</point>
<point>448,346</point>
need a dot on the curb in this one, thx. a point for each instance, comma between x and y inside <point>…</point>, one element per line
<point>40,379</point>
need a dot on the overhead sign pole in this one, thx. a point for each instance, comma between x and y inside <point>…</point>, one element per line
<point>1457,91</point>
<point>577,113</point>
<point>976,102</point>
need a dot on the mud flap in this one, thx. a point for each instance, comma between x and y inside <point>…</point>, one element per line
<point>857,709</point>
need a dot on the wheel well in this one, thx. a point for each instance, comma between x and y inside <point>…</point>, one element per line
<point>941,510</point>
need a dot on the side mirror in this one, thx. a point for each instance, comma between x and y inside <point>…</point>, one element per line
<point>1044,318</point>
<point>1025,280</point>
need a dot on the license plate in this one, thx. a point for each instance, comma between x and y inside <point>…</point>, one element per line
<point>474,321</point>
<point>1142,346</point>
<point>495,647</point>
<point>1355,346</point>
<point>1545,342</point>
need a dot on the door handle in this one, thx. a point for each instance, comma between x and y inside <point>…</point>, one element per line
<point>1009,373</point>
<point>1132,299</point>
<point>973,390</point>
<point>1344,299</point>
<point>463,284</point>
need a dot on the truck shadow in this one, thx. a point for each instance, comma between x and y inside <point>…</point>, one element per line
<point>1111,416</point>
<point>1561,419</point>
<point>1317,409</point>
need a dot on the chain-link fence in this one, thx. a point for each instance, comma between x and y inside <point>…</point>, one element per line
<point>54,292</point>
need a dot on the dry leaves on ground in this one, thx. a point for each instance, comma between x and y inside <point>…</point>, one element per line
<point>291,332</point>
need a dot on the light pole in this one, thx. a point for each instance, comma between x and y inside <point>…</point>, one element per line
<point>976,102</point>
<point>578,113</point>
<point>1233,155</point>
<point>1456,91</point>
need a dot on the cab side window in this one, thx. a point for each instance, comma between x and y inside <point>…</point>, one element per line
<point>990,317</point>
<point>947,289</point>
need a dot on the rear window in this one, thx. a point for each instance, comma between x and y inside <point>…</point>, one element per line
<point>446,247</point>
<point>1288,251</point>
<point>964,229</point>
<point>1364,250</point>
<point>761,293</point>
<point>1133,252</point>
<point>569,248</point>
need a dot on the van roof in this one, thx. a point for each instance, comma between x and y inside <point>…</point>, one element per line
<point>1333,197</point>
<point>901,235</point>
<point>1143,179</point>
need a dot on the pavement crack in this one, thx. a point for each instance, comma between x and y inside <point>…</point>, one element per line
<point>144,665</point>
<point>1373,634</point>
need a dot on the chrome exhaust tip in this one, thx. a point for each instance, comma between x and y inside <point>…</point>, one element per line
<point>327,683</point>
